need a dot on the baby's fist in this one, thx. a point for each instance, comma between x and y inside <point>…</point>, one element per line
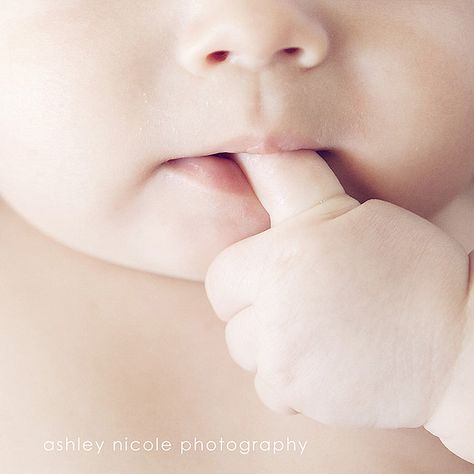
<point>350,314</point>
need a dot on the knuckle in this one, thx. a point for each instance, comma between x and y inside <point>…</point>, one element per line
<point>336,206</point>
<point>275,371</point>
<point>217,269</point>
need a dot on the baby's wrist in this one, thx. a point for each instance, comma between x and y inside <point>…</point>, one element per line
<point>453,418</point>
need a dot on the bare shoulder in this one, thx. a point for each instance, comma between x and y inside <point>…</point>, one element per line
<point>63,349</point>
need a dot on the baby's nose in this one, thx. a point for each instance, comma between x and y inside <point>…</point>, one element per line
<point>251,34</point>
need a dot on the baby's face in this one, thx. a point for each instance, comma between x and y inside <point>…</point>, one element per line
<point>97,95</point>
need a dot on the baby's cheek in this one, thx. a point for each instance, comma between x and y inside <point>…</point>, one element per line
<point>69,137</point>
<point>418,147</point>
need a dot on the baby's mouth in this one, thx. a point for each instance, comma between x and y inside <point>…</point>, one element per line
<point>224,155</point>
<point>217,167</point>
<point>218,171</point>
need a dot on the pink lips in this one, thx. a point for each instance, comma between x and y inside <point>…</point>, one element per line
<point>212,171</point>
<point>261,144</point>
<point>209,168</point>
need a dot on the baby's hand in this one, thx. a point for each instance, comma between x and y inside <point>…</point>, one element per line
<point>350,313</point>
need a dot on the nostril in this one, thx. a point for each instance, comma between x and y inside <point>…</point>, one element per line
<point>217,56</point>
<point>292,51</point>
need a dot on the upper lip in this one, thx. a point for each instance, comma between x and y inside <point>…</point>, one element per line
<point>259,144</point>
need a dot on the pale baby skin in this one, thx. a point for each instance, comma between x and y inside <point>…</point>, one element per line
<point>335,239</point>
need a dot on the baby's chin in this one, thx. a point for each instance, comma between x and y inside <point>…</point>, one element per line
<point>171,228</point>
<point>180,230</point>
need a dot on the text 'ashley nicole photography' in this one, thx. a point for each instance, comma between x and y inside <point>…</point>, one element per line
<point>183,446</point>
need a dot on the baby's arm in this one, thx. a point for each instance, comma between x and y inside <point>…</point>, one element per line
<point>351,314</point>
<point>453,420</point>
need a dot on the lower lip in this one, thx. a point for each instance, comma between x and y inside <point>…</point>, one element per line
<point>212,171</point>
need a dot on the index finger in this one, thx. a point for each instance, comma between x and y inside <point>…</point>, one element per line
<point>289,183</point>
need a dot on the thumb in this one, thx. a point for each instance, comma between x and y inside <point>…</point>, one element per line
<point>289,183</point>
